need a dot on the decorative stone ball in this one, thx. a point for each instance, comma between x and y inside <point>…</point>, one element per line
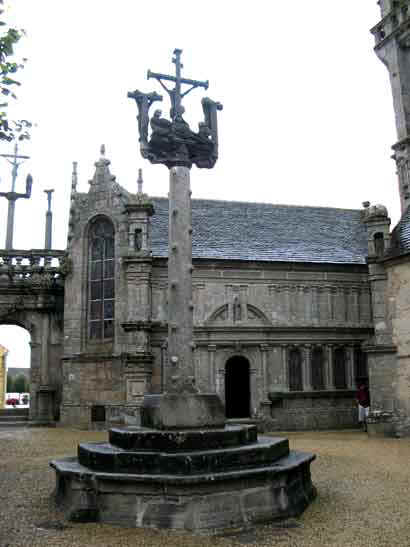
<point>377,211</point>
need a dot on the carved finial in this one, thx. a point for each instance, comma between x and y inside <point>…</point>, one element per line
<point>140,181</point>
<point>74,178</point>
<point>102,150</point>
<point>49,192</point>
<point>49,221</point>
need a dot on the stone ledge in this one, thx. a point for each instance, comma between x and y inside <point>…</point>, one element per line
<point>337,393</point>
<point>105,457</point>
<point>138,438</point>
<point>202,504</point>
<point>71,467</point>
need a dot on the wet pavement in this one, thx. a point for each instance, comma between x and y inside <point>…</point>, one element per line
<point>363,496</point>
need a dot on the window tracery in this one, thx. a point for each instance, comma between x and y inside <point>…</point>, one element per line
<point>101,281</point>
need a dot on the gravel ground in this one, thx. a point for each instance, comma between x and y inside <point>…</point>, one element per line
<point>363,496</point>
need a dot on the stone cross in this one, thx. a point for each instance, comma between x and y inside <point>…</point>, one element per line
<point>176,146</point>
<point>13,196</point>
<point>175,94</point>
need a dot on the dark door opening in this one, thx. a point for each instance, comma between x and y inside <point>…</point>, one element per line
<point>237,388</point>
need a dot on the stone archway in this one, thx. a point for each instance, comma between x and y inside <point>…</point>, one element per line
<point>16,340</point>
<point>237,387</point>
<point>45,374</point>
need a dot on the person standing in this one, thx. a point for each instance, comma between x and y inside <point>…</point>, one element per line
<point>363,403</point>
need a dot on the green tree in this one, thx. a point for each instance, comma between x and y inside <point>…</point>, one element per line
<point>20,384</point>
<point>9,67</point>
<point>10,384</point>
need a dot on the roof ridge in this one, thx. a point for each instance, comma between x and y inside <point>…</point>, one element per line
<point>265,203</point>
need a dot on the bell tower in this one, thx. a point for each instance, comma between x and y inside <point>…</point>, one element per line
<point>392,36</point>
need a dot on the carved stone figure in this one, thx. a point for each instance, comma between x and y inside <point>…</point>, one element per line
<point>144,102</point>
<point>172,142</point>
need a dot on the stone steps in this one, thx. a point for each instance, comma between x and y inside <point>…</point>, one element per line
<point>10,417</point>
<point>13,412</point>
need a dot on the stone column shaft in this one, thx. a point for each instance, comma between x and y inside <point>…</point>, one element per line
<point>49,226</point>
<point>10,223</point>
<point>329,380</point>
<point>307,369</point>
<point>285,367</point>
<point>180,307</point>
<point>350,379</point>
<point>44,350</point>
<point>212,369</point>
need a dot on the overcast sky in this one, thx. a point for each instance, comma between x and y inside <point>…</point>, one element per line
<point>307,118</point>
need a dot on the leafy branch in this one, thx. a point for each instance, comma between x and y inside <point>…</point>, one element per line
<point>9,67</point>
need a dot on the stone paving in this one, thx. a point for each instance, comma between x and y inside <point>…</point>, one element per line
<point>363,496</point>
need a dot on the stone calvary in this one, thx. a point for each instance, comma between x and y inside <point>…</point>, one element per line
<point>184,468</point>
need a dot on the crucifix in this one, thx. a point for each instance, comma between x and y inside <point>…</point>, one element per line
<point>174,144</point>
<point>175,94</point>
<point>13,196</point>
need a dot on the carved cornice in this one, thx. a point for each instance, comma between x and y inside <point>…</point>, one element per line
<point>379,349</point>
<point>317,288</point>
<point>144,325</point>
<point>143,204</point>
<point>132,360</point>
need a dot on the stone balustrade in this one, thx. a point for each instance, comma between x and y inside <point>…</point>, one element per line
<point>39,267</point>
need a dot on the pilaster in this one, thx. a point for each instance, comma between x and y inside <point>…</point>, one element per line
<point>330,377</point>
<point>307,368</point>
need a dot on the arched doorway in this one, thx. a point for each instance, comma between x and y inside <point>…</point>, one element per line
<point>237,388</point>
<point>16,372</point>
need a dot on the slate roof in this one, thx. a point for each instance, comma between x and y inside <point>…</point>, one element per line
<point>400,238</point>
<point>232,230</point>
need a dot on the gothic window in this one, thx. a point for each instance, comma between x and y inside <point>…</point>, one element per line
<point>360,365</point>
<point>339,368</point>
<point>318,381</point>
<point>379,244</point>
<point>295,370</point>
<point>101,292</point>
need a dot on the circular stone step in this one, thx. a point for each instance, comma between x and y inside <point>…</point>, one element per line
<point>206,503</point>
<point>139,438</point>
<point>105,457</point>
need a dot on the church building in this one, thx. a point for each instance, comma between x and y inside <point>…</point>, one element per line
<point>281,300</point>
<point>293,306</point>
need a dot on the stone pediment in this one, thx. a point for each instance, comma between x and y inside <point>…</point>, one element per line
<point>245,316</point>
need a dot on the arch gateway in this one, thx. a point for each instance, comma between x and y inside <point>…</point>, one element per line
<point>294,310</point>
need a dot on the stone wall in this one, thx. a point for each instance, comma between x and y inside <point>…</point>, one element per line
<point>261,311</point>
<point>3,375</point>
<point>398,380</point>
<point>319,410</point>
